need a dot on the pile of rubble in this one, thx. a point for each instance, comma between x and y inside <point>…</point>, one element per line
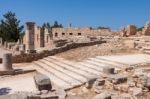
<point>126,84</point>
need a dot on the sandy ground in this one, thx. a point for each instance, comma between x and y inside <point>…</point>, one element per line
<point>83,53</point>
<point>11,84</point>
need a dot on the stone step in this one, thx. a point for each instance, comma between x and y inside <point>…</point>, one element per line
<point>85,64</point>
<point>146,48</point>
<point>110,62</point>
<point>65,70</point>
<point>147,52</point>
<point>55,80</point>
<point>59,74</point>
<point>77,68</point>
<point>105,62</point>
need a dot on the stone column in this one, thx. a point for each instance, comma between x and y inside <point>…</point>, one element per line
<point>131,30</point>
<point>30,36</point>
<point>7,62</point>
<point>22,48</point>
<point>1,42</point>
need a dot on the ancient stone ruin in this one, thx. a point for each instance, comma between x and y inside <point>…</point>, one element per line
<point>81,63</point>
<point>146,29</point>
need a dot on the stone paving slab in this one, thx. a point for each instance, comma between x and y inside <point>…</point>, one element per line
<point>128,59</point>
<point>23,82</point>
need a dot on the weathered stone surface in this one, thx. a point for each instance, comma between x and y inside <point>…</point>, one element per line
<point>109,70</point>
<point>122,87</point>
<point>135,91</point>
<point>99,82</point>
<point>7,62</point>
<point>90,83</point>
<point>124,96</point>
<point>33,97</point>
<point>104,95</point>
<point>146,30</point>
<point>129,43</point>
<point>42,82</point>
<point>147,82</point>
<point>131,30</point>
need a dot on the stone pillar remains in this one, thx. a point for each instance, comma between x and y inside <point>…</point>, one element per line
<point>5,44</point>
<point>131,30</point>
<point>22,48</point>
<point>146,29</point>
<point>7,62</point>
<point>30,36</point>
<point>1,42</point>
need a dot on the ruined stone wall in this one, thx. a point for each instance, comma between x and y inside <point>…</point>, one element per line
<point>146,30</point>
<point>69,32</point>
<point>38,37</point>
<point>35,56</point>
<point>35,37</point>
<point>131,30</point>
<point>48,37</point>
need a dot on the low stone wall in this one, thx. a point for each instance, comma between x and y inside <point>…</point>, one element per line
<point>35,56</point>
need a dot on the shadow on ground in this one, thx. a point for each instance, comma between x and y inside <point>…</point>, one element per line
<point>5,91</point>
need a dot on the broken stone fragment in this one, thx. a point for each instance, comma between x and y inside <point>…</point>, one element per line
<point>131,83</point>
<point>33,97</point>
<point>122,87</point>
<point>117,79</point>
<point>109,70</point>
<point>42,82</point>
<point>99,82</point>
<point>90,83</point>
<point>124,96</point>
<point>135,91</point>
<point>147,82</point>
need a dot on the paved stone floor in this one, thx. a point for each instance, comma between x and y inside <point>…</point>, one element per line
<point>67,74</point>
<point>128,59</point>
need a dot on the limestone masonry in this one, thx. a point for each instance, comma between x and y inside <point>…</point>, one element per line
<point>37,37</point>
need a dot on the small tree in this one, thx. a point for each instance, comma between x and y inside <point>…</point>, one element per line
<point>56,25</point>
<point>9,27</point>
<point>140,29</point>
<point>46,25</point>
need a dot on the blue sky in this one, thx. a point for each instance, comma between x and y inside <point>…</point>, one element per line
<point>81,13</point>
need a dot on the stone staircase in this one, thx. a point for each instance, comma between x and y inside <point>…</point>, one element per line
<point>143,46</point>
<point>66,74</point>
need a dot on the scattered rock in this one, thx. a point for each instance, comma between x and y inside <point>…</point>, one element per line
<point>117,79</point>
<point>122,88</point>
<point>109,70</point>
<point>135,91</point>
<point>90,83</point>
<point>42,82</point>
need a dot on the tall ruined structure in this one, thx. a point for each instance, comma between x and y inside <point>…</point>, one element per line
<point>37,37</point>
<point>131,30</point>
<point>29,36</point>
<point>146,29</point>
